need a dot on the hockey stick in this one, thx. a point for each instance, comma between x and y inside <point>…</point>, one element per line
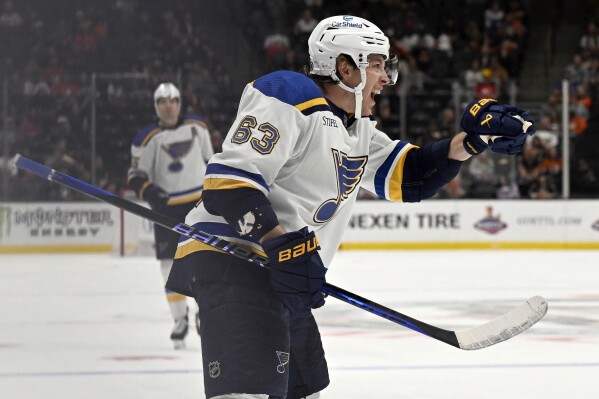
<point>504,327</point>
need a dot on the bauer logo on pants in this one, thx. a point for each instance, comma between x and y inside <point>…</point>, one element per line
<point>214,369</point>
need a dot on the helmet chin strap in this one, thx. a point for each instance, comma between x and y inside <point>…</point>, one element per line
<point>356,90</point>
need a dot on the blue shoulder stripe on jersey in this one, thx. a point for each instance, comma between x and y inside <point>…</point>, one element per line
<point>193,116</point>
<point>220,169</point>
<point>292,88</point>
<point>143,133</point>
<point>383,171</point>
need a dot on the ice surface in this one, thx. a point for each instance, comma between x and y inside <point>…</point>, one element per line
<point>97,327</point>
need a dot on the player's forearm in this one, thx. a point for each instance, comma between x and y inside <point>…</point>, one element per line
<point>246,210</point>
<point>277,231</point>
<point>457,152</point>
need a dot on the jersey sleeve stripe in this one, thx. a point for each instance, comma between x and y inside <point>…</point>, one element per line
<point>224,171</point>
<point>185,199</point>
<point>316,108</point>
<point>382,174</point>
<point>396,178</point>
<point>149,136</point>
<point>143,188</point>
<point>312,103</point>
<point>214,183</point>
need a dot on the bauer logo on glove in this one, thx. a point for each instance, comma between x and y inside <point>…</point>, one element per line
<point>486,121</point>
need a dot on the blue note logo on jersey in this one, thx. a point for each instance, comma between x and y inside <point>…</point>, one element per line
<point>178,150</point>
<point>349,173</point>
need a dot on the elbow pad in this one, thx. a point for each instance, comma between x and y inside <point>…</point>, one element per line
<point>247,210</point>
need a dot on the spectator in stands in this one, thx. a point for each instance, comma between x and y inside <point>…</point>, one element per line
<point>575,71</point>
<point>542,188</point>
<point>590,40</point>
<point>494,16</point>
<point>584,179</point>
<point>488,87</point>
<point>444,43</point>
<point>305,25</point>
<point>508,189</point>
<point>34,84</point>
<point>276,48</point>
<point>473,76</point>
<point>577,125</point>
<point>529,168</point>
<point>10,19</point>
<point>552,163</point>
<point>582,102</point>
<point>482,170</point>
<point>546,133</point>
<point>444,127</point>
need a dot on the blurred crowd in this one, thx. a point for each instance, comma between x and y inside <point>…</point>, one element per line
<point>50,50</point>
<point>476,47</point>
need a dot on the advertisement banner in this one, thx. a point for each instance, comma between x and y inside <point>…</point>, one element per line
<point>474,224</point>
<point>57,227</point>
<point>434,224</point>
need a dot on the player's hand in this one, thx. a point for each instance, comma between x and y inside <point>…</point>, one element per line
<point>156,196</point>
<point>486,121</point>
<point>508,145</point>
<point>297,272</point>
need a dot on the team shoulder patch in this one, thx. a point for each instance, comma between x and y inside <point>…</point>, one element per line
<point>294,89</point>
<point>144,135</point>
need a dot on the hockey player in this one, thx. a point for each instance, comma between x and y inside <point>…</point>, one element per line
<point>168,162</point>
<point>284,185</point>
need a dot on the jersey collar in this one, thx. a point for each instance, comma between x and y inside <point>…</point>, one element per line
<point>346,119</point>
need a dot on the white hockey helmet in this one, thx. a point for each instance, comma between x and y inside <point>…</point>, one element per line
<point>166,90</point>
<point>355,37</point>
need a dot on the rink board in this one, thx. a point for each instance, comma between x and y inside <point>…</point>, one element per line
<point>435,224</point>
<point>474,224</point>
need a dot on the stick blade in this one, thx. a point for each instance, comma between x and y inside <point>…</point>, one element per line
<point>504,327</point>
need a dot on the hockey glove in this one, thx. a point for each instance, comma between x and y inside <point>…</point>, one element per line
<point>507,145</point>
<point>297,272</point>
<point>156,197</point>
<point>485,120</point>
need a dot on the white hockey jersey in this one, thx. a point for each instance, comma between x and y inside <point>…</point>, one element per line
<point>293,146</point>
<point>174,159</point>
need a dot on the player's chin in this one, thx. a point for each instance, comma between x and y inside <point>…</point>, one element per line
<point>371,101</point>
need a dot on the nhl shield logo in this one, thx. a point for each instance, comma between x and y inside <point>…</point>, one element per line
<point>214,369</point>
<point>283,360</point>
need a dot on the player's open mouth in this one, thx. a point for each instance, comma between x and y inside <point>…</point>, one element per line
<point>374,93</point>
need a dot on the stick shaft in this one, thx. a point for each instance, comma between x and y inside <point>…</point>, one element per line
<point>446,336</point>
